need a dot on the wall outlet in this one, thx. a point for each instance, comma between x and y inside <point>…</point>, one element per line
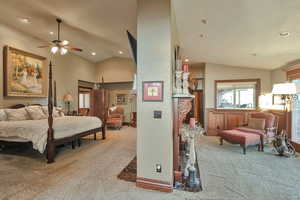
<point>158,168</point>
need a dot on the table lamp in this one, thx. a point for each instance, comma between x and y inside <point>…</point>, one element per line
<point>68,99</point>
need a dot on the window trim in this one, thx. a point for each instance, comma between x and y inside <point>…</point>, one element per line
<point>79,91</point>
<point>257,93</point>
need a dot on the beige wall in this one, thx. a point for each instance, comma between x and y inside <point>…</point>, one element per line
<point>116,70</point>
<point>128,107</point>
<point>221,72</point>
<point>14,38</point>
<point>154,136</point>
<point>278,76</point>
<point>67,70</point>
<point>197,70</point>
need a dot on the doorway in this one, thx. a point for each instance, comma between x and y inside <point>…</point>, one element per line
<point>84,94</point>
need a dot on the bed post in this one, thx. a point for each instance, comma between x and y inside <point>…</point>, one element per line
<point>50,136</point>
<point>55,96</point>
<point>104,111</point>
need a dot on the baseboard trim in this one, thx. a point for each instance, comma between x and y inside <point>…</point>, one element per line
<point>151,184</point>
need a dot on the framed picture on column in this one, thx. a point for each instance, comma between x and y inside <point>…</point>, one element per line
<point>153,91</point>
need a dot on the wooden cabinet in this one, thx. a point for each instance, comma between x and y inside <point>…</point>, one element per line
<point>216,121</point>
<point>235,119</point>
<point>225,119</point>
<point>99,103</point>
<point>230,119</point>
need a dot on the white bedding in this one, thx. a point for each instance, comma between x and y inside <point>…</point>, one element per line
<point>36,130</point>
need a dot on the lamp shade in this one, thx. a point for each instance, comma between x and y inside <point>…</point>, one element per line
<point>68,98</point>
<point>284,89</point>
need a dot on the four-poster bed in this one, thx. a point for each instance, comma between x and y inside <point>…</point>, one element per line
<point>49,132</point>
<point>51,141</point>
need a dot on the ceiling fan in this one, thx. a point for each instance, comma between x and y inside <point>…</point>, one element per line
<point>60,45</point>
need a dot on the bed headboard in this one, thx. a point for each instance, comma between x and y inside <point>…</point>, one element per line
<point>17,106</point>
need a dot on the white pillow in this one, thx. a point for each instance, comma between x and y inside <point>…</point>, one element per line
<point>54,114</point>
<point>60,112</point>
<point>16,114</point>
<point>36,112</point>
<point>3,116</point>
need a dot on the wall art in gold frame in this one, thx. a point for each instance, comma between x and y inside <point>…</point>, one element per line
<point>24,74</point>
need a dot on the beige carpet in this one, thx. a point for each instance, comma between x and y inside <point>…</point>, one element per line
<point>90,173</point>
<point>228,174</point>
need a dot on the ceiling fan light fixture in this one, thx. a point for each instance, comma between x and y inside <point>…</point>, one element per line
<point>54,50</point>
<point>63,51</point>
<point>25,20</point>
<point>65,42</point>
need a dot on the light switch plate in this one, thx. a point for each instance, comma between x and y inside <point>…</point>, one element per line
<point>157,114</point>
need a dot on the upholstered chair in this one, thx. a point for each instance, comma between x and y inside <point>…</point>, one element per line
<point>268,132</point>
<point>115,118</point>
<point>261,129</point>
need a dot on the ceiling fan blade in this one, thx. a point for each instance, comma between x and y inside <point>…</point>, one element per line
<point>72,48</point>
<point>44,46</point>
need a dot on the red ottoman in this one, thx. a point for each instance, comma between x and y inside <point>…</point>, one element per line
<point>244,139</point>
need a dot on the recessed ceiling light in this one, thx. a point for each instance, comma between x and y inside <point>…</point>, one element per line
<point>93,53</point>
<point>204,21</point>
<point>25,20</point>
<point>51,32</point>
<point>284,34</point>
<point>120,52</point>
<point>186,60</point>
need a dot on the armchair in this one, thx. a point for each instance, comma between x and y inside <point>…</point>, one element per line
<point>248,135</point>
<point>271,125</point>
<point>115,118</point>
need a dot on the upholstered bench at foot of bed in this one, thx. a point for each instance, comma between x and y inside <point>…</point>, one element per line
<point>244,139</point>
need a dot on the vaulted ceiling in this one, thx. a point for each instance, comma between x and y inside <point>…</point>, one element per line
<point>232,32</point>
<point>242,33</point>
<point>94,25</point>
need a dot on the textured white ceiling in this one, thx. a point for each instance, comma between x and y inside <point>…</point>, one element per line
<point>93,25</point>
<point>237,29</point>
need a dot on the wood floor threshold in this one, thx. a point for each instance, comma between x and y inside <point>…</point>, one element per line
<point>152,184</point>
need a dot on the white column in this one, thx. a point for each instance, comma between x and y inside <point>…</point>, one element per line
<point>154,136</point>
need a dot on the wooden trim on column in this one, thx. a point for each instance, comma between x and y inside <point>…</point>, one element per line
<point>151,184</point>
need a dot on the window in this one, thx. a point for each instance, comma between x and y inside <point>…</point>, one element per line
<point>296,115</point>
<point>84,100</point>
<point>237,94</point>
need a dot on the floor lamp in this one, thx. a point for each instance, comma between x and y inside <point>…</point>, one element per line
<point>288,92</point>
